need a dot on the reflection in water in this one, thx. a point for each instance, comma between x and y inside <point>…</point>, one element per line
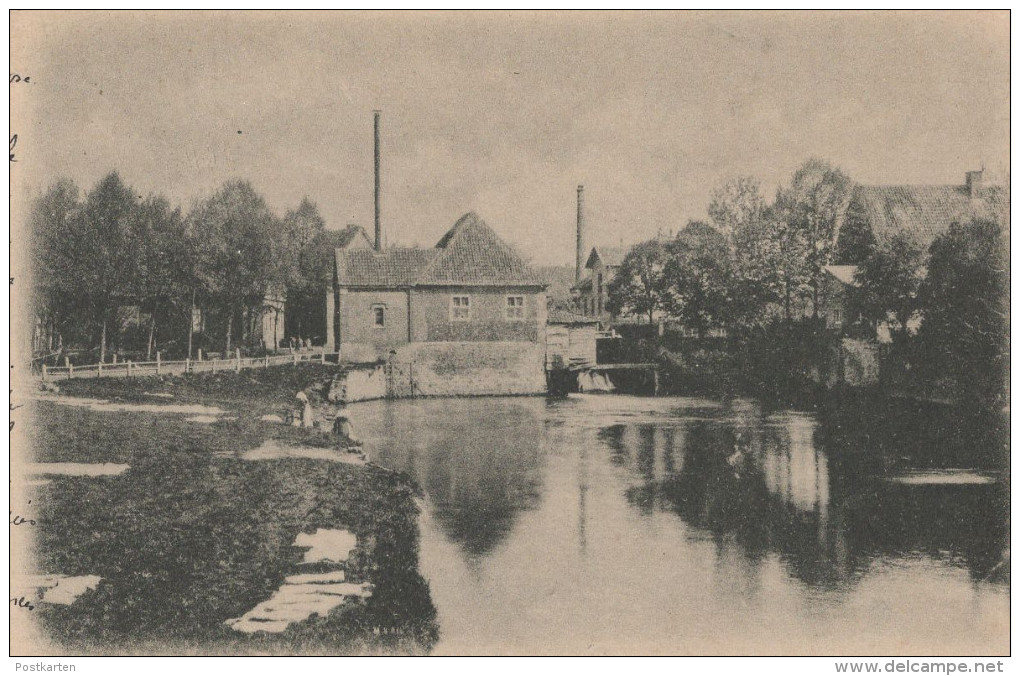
<point>625,524</point>
<point>476,477</point>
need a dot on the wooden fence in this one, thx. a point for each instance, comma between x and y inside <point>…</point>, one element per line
<point>130,369</point>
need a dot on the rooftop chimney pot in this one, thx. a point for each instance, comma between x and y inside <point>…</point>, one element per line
<point>579,263</point>
<point>378,222</point>
<point>974,179</point>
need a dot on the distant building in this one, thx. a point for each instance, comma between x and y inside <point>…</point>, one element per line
<point>876,213</point>
<point>470,288</point>
<point>592,291</point>
<point>837,305</point>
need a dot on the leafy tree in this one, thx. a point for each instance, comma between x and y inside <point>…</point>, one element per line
<point>55,289</point>
<point>964,301</point>
<point>309,257</point>
<point>814,204</point>
<point>890,278</point>
<point>239,256</point>
<point>736,205</point>
<point>163,279</point>
<point>91,251</point>
<point>769,267</point>
<point>637,286</point>
<point>698,276</point>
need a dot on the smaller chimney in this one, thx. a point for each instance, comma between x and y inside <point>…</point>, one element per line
<point>974,183</point>
<point>579,263</point>
<point>378,221</point>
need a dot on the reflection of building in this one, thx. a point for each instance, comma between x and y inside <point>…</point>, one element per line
<point>795,470</point>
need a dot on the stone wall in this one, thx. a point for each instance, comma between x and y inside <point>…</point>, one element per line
<point>447,369</point>
<point>469,368</point>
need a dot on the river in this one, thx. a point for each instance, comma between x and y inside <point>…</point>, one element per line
<point>615,524</point>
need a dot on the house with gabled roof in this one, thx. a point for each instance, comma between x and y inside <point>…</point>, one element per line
<point>472,287</point>
<point>876,213</point>
<point>592,290</point>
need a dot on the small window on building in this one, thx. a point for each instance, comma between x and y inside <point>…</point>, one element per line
<point>515,307</point>
<point>460,308</point>
<point>837,317</point>
<point>379,316</point>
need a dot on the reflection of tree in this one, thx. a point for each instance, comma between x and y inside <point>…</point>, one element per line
<point>768,486</point>
<point>481,477</point>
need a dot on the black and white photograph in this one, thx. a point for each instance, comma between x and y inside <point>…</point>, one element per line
<point>511,333</point>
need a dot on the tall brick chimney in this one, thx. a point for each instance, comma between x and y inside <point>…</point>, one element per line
<point>974,179</point>
<point>378,222</point>
<point>579,264</point>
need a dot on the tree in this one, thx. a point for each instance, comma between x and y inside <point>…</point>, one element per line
<point>310,250</point>
<point>54,287</point>
<point>814,204</point>
<point>238,259</point>
<point>769,267</point>
<point>736,205</point>
<point>698,276</point>
<point>163,280</point>
<point>91,252</point>
<point>890,278</point>
<point>637,286</point>
<point>964,302</point>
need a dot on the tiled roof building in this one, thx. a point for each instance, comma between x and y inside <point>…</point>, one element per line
<point>923,212</point>
<point>471,287</point>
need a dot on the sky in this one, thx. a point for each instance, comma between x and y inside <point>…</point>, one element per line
<point>504,114</point>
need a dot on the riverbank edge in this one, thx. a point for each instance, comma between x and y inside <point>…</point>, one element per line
<point>399,499</point>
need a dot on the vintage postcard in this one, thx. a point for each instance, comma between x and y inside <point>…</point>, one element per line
<point>510,333</point>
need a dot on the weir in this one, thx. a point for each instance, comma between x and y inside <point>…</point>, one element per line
<point>614,378</point>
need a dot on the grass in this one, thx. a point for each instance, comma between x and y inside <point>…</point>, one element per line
<point>191,536</point>
<point>253,390</point>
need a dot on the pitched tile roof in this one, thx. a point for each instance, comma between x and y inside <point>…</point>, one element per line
<point>469,254</point>
<point>610,255</point>
<point>390,268</point>
<point>927,211</point>
<point>348,236</point>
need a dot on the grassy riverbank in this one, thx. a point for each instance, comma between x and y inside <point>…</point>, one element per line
<point>254,391</point>
<point>193,534</point>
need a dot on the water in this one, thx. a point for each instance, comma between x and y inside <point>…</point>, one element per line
<point>614,524</point>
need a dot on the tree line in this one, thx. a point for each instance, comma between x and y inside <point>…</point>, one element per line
<point>757,264</point>
<point>750,261</point>
<point>112,247</point>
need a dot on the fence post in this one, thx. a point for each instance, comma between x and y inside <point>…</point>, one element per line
<point>187,365</point>
<point>44,372</point>
<point>322,356</point>
<point>294,354</point>
<point>99,369</point>
<point>158,364</point>
<point>70,367</point>
<point>237,361</point>
<point>114,357</point>
<point>129,368</point>
<point>199,354</point>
